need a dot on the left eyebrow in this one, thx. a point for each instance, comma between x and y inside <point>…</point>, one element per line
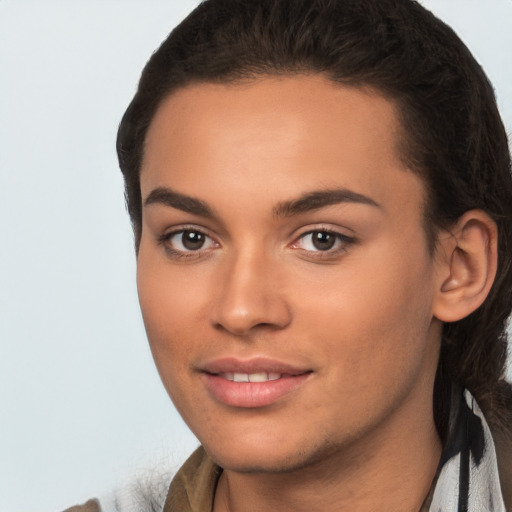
<point>320,199</point>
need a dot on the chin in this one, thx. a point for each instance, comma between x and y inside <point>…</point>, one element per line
<point>258,464</point>
<point>258,458</point>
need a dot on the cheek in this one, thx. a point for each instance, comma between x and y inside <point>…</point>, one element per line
<point>166,309</point>
<point>374,318</point>
<point>171,328</point>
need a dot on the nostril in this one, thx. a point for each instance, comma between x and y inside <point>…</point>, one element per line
<point>247,328</point>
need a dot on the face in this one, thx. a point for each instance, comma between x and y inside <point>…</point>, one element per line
<point>284,276</point>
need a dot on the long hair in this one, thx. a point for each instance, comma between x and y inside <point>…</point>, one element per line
<point>452,134</point>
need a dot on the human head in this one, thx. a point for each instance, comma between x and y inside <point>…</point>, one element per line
<point>452,135</point>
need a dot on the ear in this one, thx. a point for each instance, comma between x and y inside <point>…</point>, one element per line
<point>466,260</point>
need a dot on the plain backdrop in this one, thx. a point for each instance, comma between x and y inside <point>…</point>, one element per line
<point>81,405</point>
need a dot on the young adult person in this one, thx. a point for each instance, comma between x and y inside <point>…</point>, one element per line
<point>321,197</point>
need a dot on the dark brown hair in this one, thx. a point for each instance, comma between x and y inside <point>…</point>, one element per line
<point>453,136</point>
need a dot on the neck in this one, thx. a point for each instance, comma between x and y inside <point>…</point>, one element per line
<point>390,469</point>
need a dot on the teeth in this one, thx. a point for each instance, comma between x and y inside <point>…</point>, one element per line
<point>251,377</point>
<point>258,377</point>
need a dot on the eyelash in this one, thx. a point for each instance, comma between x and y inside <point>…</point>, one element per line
<point>343,243</point>
<point>165,240</point>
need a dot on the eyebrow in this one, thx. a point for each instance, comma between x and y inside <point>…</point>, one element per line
<point>320,199</point>
<point>307,202</point>
<point>167,197</point>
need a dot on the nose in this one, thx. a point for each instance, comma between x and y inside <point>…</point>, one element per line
<point>250,297</point>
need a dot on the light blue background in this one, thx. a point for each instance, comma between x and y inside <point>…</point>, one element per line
<point>81,405</point>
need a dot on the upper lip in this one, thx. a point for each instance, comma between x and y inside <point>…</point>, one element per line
<point>249,366</point>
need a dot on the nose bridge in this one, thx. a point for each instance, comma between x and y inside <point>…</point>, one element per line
<point>249,293</point>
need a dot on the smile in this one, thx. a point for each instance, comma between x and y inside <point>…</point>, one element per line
<point>251,377</point>
<point>252,383</point>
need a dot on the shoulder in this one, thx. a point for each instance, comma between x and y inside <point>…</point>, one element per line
<point>503,445</point>
<point>89,506</point>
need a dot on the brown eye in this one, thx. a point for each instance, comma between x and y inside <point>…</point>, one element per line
<point>192,240</point>
<point>323,240</point>
<point>187,241</point>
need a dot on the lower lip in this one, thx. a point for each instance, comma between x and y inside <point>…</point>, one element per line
<point>252,394</point>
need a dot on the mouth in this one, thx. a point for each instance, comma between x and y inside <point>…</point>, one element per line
<point>251,377</point>
<point>253,383</point>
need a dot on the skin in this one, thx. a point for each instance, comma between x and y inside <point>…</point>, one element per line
<point>358,433</point>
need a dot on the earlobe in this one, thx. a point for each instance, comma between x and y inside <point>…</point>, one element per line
<point>466,257</point>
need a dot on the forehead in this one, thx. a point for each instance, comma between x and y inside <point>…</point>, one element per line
<point>285,134</point>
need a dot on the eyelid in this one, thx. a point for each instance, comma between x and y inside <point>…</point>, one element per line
<point>164,240</point>
<point>345,239</point>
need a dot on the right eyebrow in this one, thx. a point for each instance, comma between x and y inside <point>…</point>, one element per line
<point>168,197</point>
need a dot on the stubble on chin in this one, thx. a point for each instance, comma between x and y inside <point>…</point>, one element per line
<point>315,459</point>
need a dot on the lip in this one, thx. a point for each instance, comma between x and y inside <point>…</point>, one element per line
<point>253,365</point>
<point>251,394</point>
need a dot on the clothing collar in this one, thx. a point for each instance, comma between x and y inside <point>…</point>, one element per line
<point>467,479</point>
